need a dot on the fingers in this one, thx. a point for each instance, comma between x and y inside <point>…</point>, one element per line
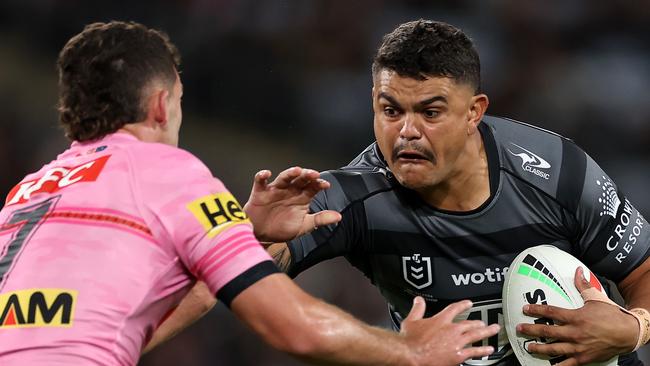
<point>315,186</point>
<point>548,311</point>
<point>569,362</point>
<point>481,333</point>
<point>545,331</point>
<point>468,325</point>
<point>473,352</point>
<point>552,349</point>
<point>580,281</point>
<point>306,177</point>
<point>284,179</point>
<point>452,310</point>
<point>261,179</point>
<point>327,217</point>
<point>300,178</point>
<point>417,311</point>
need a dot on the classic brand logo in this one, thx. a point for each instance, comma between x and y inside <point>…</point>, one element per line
<point>531,162</point>
<point>55,179</point>
<point>417,271</point>
<point>37,308</point>
<point>217,212</point>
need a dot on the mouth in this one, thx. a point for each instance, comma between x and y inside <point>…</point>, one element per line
<point>411,156</point>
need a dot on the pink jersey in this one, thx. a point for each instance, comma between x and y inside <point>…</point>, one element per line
<point>100,244</point>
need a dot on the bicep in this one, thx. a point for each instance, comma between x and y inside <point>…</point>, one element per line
<point>614,237</point>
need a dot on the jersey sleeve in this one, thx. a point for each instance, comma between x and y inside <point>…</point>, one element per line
<point>613,237</point>
<point>328,241</point>
<point>204,223</point>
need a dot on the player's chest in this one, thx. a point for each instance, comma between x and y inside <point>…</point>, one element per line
<point>464,263</point>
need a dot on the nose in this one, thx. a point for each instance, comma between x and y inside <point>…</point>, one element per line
<point>410,129</point>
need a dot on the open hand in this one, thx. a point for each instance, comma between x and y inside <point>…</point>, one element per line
<point>440,341</point>
<point>279,210</point>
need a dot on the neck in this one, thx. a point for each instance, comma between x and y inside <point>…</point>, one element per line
<point>467,187</point>
<point>142,131</point>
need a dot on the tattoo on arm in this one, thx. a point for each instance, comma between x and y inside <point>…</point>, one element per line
<point>281,255</point>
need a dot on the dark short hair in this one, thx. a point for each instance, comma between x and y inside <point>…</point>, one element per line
<point>103,73</point>
<point>425,48</point>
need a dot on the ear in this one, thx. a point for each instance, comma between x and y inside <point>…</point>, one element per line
<point>476,112</point>
<point>160,101</point>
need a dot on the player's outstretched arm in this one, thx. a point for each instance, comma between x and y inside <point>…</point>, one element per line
<point>293,321</point>
<point>279,210</point>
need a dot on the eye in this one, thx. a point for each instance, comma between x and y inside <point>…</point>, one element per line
<point>390,112</point>
<point>430,113</point>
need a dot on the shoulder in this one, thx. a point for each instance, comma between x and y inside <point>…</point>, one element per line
<point>525,149</point>
<point>538,157</point>
<point>161,161</point>
<point>365,176</point>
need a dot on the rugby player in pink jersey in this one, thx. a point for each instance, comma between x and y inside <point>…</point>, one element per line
<point>99,245</point>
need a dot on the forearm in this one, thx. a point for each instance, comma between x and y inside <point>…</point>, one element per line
<point>294,322</point>
<point>637,294</point>
<point>281,255</point>
<point>342,339</point>
<point>195,304</point>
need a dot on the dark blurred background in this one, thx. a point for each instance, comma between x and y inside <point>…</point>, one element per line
<point>270,84</point>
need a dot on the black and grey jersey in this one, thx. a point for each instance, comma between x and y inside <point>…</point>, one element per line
<point>544,190</point>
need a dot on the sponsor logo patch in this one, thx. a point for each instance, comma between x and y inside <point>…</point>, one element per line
<point>608,198</point>
<point>478,278</point>
<point>217,212</point>
<point>56,179</point>
<point>531,162</point>
<point>37,308</point>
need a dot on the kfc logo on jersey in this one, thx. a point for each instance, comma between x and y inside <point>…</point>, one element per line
<point>531,162</point>
<point>417,271</point>
<point>55,179</point>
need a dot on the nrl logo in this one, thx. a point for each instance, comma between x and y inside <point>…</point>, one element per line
<point>531,162</point>
<point>417,271</point>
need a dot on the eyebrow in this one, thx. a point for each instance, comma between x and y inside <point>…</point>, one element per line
<point>433,99</point>
<point>421,103</point>
<point>390,99</point>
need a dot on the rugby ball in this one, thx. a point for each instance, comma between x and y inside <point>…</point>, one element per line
<point>541,275</point>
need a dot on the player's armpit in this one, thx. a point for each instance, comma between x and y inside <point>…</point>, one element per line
<point>281,255</point>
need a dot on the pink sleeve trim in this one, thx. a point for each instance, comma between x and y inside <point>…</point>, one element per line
<point>215,266</point>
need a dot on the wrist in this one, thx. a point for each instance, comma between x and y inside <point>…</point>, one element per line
<point>643,318</point>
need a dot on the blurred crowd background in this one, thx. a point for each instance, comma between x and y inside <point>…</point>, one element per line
<point>275,83</point>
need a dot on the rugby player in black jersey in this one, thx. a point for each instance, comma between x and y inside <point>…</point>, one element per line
<point>446,197</point>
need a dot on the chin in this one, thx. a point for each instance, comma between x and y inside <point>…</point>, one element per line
<point>413,181</point>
